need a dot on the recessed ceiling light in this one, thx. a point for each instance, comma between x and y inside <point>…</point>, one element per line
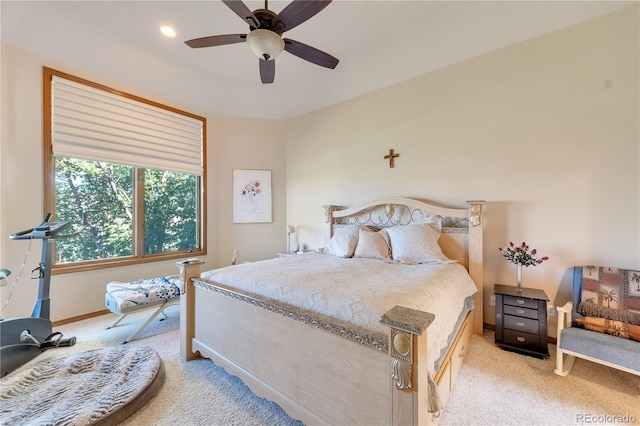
<point>168,31</point>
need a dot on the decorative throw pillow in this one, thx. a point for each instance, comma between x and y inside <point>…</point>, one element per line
<point>373,245</point>
<point>610,301</point>
<point>416,243</point>
<point>344,241</point>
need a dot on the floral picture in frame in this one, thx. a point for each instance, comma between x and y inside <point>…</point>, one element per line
<point>251,196</point>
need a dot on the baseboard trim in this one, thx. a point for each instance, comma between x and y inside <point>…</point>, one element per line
<point>79,318</point>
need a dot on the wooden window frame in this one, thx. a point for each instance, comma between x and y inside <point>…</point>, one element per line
<point>138,256</point>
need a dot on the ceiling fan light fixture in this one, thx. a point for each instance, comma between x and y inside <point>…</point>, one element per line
<point>265,44</point>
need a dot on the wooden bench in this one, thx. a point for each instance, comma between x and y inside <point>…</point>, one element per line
<point>156,293</point>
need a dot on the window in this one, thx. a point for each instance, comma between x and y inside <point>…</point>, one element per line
<point>133,169</point>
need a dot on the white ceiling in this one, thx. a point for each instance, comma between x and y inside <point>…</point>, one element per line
<point>379,43</point>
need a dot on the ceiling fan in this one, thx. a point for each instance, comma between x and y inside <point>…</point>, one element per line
<point>265,36</point>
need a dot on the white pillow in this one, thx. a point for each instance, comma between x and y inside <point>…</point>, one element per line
<point>373,245</point>
<point>416,243</point>
<point>344,241</point>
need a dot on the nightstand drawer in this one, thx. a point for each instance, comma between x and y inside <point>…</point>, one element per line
<point>521,312</point>
<point>522,340</point>
<point>525,325</point>
<point>521,301</point>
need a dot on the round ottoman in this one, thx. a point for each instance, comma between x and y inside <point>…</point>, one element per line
<point>99,387</point>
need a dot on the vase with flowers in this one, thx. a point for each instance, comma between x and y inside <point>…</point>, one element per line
<point>521,255</point>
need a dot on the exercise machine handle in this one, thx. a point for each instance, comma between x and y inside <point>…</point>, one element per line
<point>48,230</point>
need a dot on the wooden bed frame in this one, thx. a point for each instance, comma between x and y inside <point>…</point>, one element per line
<point>322,373</point>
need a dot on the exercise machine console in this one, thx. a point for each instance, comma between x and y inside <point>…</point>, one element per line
<point>22,339</point>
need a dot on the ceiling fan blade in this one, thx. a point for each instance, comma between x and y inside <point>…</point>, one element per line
<point>241,9</point>
<point>218,40</point>
<point>310,54</point>
<point>296,13</point>
<point>267,71</point>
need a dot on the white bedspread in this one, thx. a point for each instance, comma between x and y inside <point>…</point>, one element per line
<point>357,291</point>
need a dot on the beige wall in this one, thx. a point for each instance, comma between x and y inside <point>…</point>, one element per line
<point>546,131</point>
<point>249,144</point>
<point>232,143</point>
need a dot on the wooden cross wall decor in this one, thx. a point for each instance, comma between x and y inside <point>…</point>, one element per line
<point>390,157</point>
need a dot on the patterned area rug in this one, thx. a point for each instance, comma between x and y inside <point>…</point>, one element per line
<point>99,387</point>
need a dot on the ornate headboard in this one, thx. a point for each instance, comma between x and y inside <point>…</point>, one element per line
<point>461,237</point>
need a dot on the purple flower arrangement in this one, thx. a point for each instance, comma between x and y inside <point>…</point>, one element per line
<point>521,255</point>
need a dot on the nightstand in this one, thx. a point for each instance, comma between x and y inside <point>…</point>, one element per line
<point>521,320</point>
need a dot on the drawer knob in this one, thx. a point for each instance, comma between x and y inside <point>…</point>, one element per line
<point>520,324</point>
<point>520,301</point>
<point>521,339</point>
<point>520,311</point>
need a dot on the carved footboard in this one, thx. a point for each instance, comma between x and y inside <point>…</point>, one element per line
<point>316,376</point>
<point>313,375</point>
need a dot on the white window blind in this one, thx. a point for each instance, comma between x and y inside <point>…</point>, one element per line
<point>94,124</point>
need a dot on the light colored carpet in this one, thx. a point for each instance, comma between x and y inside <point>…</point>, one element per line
<point>498,387</point>
<point>495,387</point>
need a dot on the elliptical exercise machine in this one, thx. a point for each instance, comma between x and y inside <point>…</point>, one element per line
<point>22,339</point>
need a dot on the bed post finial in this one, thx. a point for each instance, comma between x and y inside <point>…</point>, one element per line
<point>328,210</point>
<point>475,214</point>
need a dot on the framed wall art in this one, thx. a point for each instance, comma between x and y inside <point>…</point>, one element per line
<point>251,196</point>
